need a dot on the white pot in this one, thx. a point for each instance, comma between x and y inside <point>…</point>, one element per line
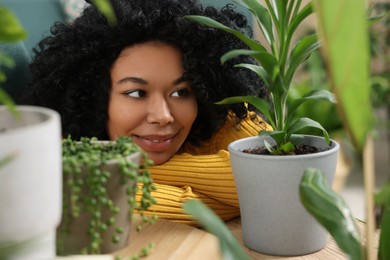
<point>273,219</point>
<point>31,183</point>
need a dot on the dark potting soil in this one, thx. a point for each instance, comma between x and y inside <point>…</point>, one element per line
<point>299,149</point>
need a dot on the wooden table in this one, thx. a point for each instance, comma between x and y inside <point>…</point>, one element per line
<point>178,241</point>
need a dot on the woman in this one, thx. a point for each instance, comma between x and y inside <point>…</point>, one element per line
<point>154,76</point>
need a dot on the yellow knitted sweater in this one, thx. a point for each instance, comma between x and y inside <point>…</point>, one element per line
<point>201,173</point>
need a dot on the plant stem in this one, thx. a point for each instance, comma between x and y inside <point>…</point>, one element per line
<point>369,180</point>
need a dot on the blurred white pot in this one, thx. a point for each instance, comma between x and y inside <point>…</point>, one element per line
<point>30,183</point>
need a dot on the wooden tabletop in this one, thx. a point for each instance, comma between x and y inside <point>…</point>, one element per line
<point>172,241</point>
<point>178,241</point>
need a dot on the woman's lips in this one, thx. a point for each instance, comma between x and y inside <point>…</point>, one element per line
<point>154,143</point>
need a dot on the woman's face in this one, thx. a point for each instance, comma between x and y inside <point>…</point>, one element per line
<point>150,101</point>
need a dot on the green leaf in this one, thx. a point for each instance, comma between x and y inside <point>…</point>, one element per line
<point>262,16</point>
<point>343,24</point>
<point>305,122</point>
<point>296,139</point>
<point>106,8</point>
<point>278,136</point>
<point>10,29</point>
<point>383,198</point>
<point>331,211</point>
<point>252,44</point>
<point>267,60</point>
<point>6,60</point>
<point>229,246</point>
<point>281,8</point>
<point>3,77</point>
<point>384,249</point>
<point>374,19</point>
<point>8,102</point>
<point>269,147</point>
<point>300,53</point>
<point>299,18</point>
<point>287,148</point>
<point>259,70</point>
<point>317,94</point>
<point>258,103</point>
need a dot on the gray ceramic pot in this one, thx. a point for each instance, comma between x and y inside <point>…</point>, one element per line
<point>78,238</point>
<point>273,219</point>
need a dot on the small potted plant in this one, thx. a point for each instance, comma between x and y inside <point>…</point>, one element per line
<point>273,218</point>
<point>101,179</point>
<point>30,167</point>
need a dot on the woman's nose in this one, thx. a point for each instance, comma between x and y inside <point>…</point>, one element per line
<point>159,112</point>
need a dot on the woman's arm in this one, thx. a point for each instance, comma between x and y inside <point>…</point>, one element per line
<point>171,198</point>
<point>202,173</point>
<point>210,175</point>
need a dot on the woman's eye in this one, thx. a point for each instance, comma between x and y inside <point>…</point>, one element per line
<point>135,93</point>
<point>183,92</point>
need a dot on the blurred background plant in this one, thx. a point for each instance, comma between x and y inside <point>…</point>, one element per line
<point>11,31</point>
<point>313,75</point>
<point>380,51</point>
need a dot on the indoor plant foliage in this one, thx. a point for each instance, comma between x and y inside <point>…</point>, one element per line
<point>277,64</point>
<point>272,222</point>
<point>350,78</point>
<point>10,32</point>
<point>100,183</point>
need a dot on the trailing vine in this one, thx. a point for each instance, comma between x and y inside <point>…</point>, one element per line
<point>85,179</point>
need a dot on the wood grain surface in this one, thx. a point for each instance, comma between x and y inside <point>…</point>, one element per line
<point>178,241</point>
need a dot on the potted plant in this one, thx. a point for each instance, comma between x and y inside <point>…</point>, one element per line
<point>273,219</point>
<point>30,168</point>
<point>101,179</point>
<point>31,178</point>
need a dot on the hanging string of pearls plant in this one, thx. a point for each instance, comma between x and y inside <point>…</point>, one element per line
<point>100,181</point>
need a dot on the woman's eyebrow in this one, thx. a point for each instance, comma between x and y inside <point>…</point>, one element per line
<point>133,80</point>
<point>144,82</point>
<point>179,80</point>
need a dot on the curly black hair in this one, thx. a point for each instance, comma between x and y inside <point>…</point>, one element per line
<point>71,68</point>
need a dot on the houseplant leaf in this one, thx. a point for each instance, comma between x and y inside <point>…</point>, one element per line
<point>296,20</point>
<point>259,70</point>
<point>343,24</point>
<point>267,60</point>
<point>252,44</point>
<point>260,104</point>
<point>306,122</point>
<point>276,63</point>
<point>382,198</point>
<point>317,94</point>
<point>300,53</point>
<point>106,8</point>
<point>331,211</point>
<point>229,246</point>
<point>7,101</point>
<point>262,16</point>
<point>10,30</point>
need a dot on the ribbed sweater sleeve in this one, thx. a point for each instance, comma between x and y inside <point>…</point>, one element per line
<point>201,173</point>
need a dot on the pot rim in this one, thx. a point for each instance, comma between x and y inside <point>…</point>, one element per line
<point>50,115</point>
<point>334,146</point>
